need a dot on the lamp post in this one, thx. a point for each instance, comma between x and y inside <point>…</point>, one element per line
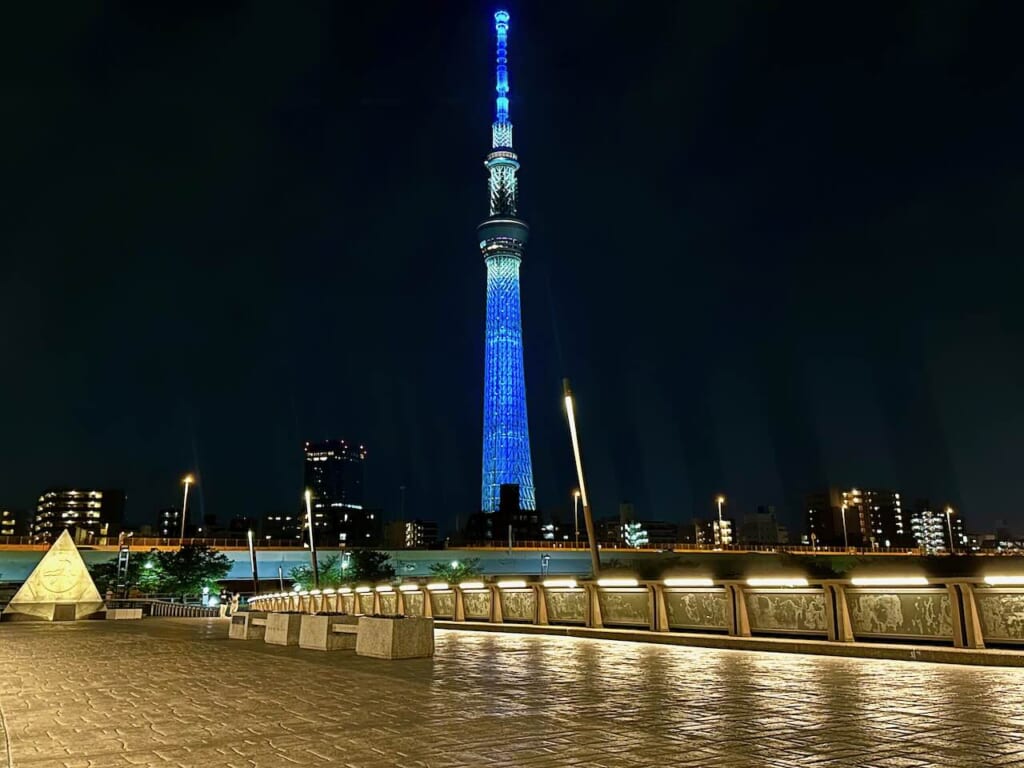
<point>188,480</point>
<point>576,514</point>
<point>949,527</point>
<point>312,539</point>
<point>588,518</point>
<point>252,562</point>
<point>846,542</point>
<point>721,524</point>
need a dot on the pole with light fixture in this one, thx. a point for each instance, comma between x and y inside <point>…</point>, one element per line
<point>252,562</point>
<point>576,515</point>
<point>949,527</point>
<point>720,500</point>
<point>588,518</point>
<point>846,541</point>
<point>312,539</point>
<point>188,480</point>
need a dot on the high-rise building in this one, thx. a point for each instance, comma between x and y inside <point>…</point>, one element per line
<point>168,522</point>
<point>762,527</point>
<point>88,514</point>
<point>502,237</point>
<point>420,534</point>
<point>9,523</point>
<point>283,526</point>
<point>334,478</point>
<point>869,518</point>
<point>937,530</point>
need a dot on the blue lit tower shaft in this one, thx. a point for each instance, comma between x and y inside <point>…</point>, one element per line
<point>506,455</point>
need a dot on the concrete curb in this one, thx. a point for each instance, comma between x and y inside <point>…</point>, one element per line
<point>929,653</point>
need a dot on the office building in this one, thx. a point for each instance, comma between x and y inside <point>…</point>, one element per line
<point>90,515</point>
<point>334,478</point>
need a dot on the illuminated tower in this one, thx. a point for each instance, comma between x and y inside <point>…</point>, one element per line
<point>502,238</point>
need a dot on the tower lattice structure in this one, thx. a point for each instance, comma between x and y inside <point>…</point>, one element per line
<point>502,236</point>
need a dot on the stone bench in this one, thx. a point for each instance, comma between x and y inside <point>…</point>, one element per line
<point>248,625</point>
<point>320,632</point>
<point>119,614</point>
<point>409,637</point>
<point>283,628</point>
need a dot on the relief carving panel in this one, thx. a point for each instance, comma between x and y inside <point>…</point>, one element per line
<point>413,603</point>
<point>566,606</point>
<point>517,605</point>
<point>786,611</point>
<point>1002,614</point>
<point>365,603</point>
<point>388,603</point>
<point>697,609</point>
<point>632,608</point>
<point>443,604</point>
<point>477,605</point>
<point>903,614</point>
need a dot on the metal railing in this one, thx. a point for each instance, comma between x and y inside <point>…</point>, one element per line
<point>151,607</point>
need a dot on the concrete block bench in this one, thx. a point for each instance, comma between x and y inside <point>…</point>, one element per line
<point>409,637</point>
<point>320,632</point>
<point>119,614</point>
<point>248,625</point>
<point>283,628</point>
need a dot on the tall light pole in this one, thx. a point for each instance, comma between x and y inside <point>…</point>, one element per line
<point>949,527</point>
<point>588,518</point>
<point>721,523</point>
<point>188,480</point>
<point>846,541</point>
<point>252,563</point>
<point>576,514</point>
<point>312,539</point>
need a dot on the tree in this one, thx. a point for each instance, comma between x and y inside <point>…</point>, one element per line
<point>143,574</point>
<point>329,568</point>
<point>355,566</point>
<point>368,565</point>
<point>187,570</point>
<point>457,570</point>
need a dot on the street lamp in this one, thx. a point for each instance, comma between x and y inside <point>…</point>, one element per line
<point>588,519</point>
<point>576,514</point>
<point>312,539</point>
<point>949,527</point>
<point>721,525</point>
<point>187,480</point>
<point>846,542</point>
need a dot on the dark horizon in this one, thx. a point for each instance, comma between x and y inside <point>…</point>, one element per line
<point>774,249</point>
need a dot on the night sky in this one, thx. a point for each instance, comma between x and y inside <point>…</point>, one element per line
<point>774,246</point>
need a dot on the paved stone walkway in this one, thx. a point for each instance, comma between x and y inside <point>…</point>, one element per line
<point>176,692</point>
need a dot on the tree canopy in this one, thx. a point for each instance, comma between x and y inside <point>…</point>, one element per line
<point>350,567</point>
<point>455,571</point>
<point>182,571</point>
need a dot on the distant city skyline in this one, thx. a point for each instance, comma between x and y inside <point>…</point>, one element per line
<point>774,248</point>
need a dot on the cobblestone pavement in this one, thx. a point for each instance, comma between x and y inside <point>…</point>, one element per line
<point>176,692</point>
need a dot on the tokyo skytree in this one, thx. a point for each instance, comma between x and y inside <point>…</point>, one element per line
<point>502,237</point>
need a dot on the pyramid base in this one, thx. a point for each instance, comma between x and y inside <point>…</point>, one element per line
<point>53,612</point>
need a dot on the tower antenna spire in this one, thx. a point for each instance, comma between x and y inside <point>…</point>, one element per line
<point>502,129</point>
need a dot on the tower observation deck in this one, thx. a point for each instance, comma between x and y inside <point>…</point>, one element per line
<point>502,237</point>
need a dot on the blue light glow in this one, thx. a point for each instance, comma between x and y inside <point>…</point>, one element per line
<point>506,448</point>
<point>501,19</point>
<point>506,432</point>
